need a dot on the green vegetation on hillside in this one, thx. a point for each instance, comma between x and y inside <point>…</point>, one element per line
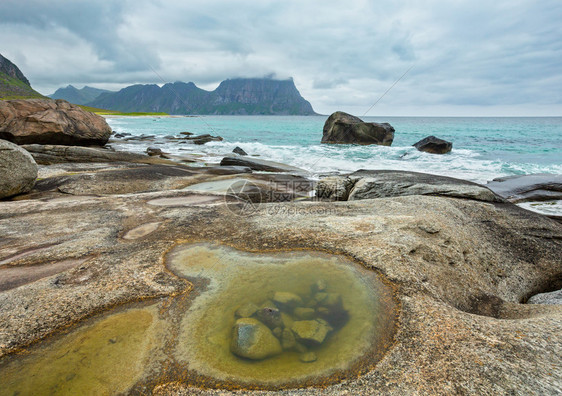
<point>12,88</point>
<point>119,113</point>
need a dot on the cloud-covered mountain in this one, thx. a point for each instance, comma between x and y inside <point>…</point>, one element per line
<point>252,96</point>
<point>77,96</point>
<point>13,84</point>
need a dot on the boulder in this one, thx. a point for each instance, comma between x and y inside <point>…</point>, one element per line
<point>239,151</point>
<point>525,188</point>
<point>18,170</point>
<point>43,121</point>
<point>319,286</point>
<point>334,188</point>
<point>288,340</point>
<point>311,332</point>
<point>304,313</point>
<point>308,357</point>
<point>246,310</point>
<point>260,165</point>
<point>343,128</point>
<point>434,145</point>
<point>153,151</point>
<point>253,340</point>
<point>202,139</point>
<point>551,298</point>
<point>368,184</point>
<point>286,300</point>
<point>270,316</point>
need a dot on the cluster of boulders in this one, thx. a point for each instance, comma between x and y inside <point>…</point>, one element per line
<point>288,322</point>
<point>343,128</point>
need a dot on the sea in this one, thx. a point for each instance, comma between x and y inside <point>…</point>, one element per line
<point>484,148</point>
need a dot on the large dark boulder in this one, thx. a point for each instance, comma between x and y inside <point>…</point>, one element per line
<point>434,145</point>
<point>42,121</point>
<point>18,170</point>
<point>343,128</point>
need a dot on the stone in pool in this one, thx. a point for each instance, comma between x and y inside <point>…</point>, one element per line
<point>251,339</point>
<point>246,310</point>
<point>286,300</point>
<point>311,332</point>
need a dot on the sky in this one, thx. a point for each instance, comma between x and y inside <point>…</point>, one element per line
<point>411,58</point>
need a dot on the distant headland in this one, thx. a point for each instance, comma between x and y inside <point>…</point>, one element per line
<point>239,96</point>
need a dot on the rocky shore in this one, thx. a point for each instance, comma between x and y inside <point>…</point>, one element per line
<point>91,238</point>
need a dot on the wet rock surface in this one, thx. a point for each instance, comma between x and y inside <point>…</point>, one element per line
<point>539,187</point>
<point>460,267</point>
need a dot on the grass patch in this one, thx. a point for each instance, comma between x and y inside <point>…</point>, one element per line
<point>12,88</point>
<point>119,113</point>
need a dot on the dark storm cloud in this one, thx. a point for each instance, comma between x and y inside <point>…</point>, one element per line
<point>342,55</point>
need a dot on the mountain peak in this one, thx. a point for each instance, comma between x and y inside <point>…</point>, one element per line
<point>77,96</point>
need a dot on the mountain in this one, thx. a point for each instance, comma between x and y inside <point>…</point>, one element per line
<point>13,84</point>
<point>251,96</point>
<point>78,96</point>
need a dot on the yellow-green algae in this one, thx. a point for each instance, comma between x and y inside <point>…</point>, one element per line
<point>102,358</point>
<point>237,277</point>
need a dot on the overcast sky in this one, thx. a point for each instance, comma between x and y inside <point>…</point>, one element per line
<point>474,57</point>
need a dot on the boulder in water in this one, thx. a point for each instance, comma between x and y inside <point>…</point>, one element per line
<point>434,145</point>
<point>343,128</point>
<point>239,151</point>
<point>251,339</point>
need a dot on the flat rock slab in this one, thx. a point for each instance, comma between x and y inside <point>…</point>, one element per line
<point>47,154</point>
<point>124,180</point>
<point>526,188</point>
<point>187,200</point>
<point>12,277</point>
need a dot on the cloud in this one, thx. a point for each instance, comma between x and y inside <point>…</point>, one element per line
<point>341,55</point>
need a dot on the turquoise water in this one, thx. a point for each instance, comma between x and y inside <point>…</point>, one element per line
<point>483,148</point>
